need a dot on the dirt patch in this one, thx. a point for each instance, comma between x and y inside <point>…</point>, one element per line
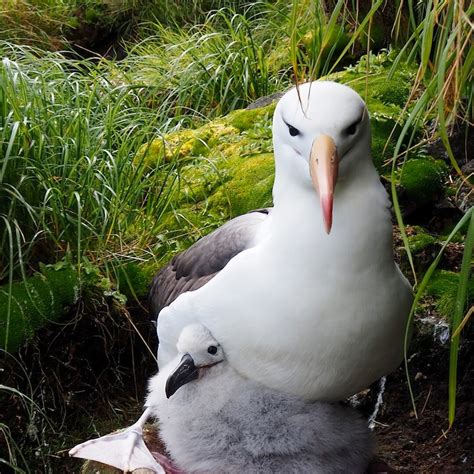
<point>417,445</point>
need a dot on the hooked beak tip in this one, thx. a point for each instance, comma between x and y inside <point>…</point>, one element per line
<point>185,372</point>
<point>327,206</point>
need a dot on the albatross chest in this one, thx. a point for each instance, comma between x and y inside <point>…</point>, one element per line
<point>333,337</point>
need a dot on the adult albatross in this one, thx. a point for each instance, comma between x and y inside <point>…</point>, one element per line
<point>318,302</point>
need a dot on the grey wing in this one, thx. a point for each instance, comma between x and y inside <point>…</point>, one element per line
<point>197,265</point>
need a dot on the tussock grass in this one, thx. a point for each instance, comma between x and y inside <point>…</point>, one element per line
<point>212,68</point>
<point>70,183</point>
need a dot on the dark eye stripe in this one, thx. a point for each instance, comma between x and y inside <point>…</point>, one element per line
<point>352,128</point>
<point>293,131</point>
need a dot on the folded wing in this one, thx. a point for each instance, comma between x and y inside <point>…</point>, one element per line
<point>194,267</point>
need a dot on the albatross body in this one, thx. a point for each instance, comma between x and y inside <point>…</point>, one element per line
<point>310,286</point>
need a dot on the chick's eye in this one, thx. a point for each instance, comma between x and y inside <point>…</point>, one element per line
<point>212,350</point>
<point>293,131</point>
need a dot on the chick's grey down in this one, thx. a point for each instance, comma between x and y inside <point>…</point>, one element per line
<point>222,422</point>
<point>310,286</point>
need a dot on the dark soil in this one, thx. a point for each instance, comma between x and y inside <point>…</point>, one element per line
<point>420,444</point>
<point>87,377</point>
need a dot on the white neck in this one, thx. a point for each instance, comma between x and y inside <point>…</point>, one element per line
<point>361,224</point>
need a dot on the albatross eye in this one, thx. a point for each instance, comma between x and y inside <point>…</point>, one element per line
<point>293,131</point>
<point>212,350</point>
<point>351,129</point>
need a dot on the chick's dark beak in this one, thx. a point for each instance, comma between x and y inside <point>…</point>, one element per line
<point>185,372</point>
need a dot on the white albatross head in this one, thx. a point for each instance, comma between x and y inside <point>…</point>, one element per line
<point>198,351</point>
<point>320,132</point>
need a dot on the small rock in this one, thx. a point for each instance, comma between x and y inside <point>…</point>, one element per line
<point>468,168</point>
<point>264,101</point>
<point>419,376</point>
<point>409,445</point>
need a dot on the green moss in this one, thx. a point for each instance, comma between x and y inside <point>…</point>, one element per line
<point>250,186</point>
<point>198,181</point>
<point>246,119</point>
<point>443,286</point>
<point>393,92</point>
<point>382,147</point>
<point>184,144</point>
<point>419,240</point>
<point>423,179</point>
<point>28,305</point>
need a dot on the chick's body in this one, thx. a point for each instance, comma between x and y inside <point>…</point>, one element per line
<point>226,423</point>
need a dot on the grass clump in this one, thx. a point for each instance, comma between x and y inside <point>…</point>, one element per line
<point>443,285</point>
<point>209,69</point>
<point>69,184</point>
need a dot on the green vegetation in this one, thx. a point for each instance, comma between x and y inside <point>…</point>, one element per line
<point>29,304</point>
<point>69,183</point>
<point>108,167</point>
<point>423,179</point>
<point>213,68</point>
<point>420,240</point>
<point>444,287</point>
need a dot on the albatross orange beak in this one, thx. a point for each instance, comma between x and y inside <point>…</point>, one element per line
<point>323,167</point>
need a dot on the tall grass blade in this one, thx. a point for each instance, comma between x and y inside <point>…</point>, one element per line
<point>458,316</point>
<point>427,37</point>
